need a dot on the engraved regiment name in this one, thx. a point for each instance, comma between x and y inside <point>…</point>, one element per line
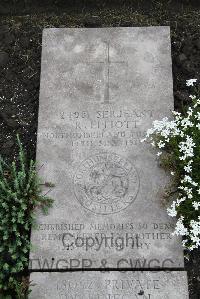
<point>106,183</point>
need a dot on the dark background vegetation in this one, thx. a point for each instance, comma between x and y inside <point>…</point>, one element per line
<point>21,25</point>
<point>37,6</point>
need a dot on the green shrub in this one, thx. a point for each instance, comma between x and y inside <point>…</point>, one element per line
<point>20,195</point>
<point>178,141</point>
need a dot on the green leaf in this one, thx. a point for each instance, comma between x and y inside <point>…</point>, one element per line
<point>5,266</point>
<point>5,296</point>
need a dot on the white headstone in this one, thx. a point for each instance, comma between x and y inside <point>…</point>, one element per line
<point>100,91</point>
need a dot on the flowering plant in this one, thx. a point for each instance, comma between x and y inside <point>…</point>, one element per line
<point>178,141</point>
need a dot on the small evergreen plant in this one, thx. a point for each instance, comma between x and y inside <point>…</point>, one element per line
<point>20,195</point>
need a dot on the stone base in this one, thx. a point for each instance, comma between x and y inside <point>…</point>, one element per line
<point>110,285</point>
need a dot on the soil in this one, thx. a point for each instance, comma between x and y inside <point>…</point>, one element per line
<point>21,25</point>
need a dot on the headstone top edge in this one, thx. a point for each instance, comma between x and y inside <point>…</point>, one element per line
<point>54,29</point>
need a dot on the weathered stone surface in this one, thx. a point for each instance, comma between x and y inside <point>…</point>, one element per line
<point>110,285</point>
<point>100,90</point>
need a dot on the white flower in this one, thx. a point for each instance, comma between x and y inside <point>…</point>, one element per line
<point>184,242</point>
<point>188,168</point>
<point>190,162</point>
<point>195,233</point>
<point>185,123</point>
<point>180,229</point>
<point>188,179</point>
<point>177,115</point>
<point>192,97</point>
<point>187,190</point>
<point>191,82</point>
<point>180,200</point>
<point>161,144</point>
<point>149,132</point>
<point>198,126</point>
<point>190,111</point>
<point>182,130</point>
<point>180,187</point>
<point>186,147</point>
<point>172,210</point>
<point>198,116</point>
<point>196,205</point>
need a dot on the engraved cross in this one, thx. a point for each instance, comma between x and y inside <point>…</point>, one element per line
<point>107,64</point>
